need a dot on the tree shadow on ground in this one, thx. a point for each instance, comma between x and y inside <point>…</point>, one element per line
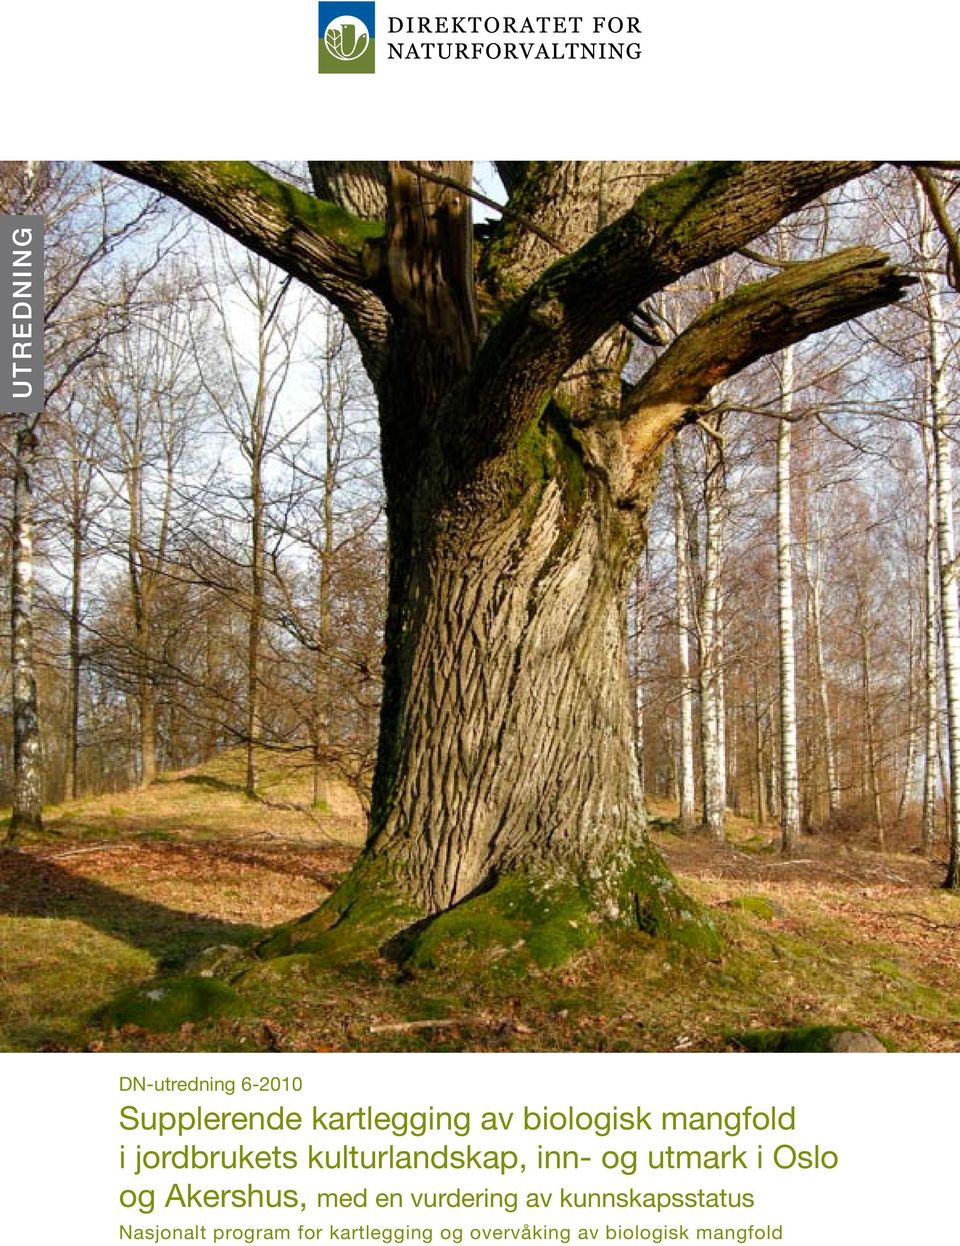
<point>33,887</point>
<point>205,780</point>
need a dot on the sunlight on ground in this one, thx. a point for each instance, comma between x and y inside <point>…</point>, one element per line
<point>127,886</point>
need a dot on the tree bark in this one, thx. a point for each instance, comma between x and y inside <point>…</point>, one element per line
<point>27,752</point>
<point>507,738</point>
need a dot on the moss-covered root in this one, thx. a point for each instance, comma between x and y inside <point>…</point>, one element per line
<point>521,918</point>
<point>649,896</point>
<point>167,1003</point>
<point>527,917</point>
<point>364,913</point>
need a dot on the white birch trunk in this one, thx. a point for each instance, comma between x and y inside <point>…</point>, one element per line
<point>789,771</point>
<point>711,693</point>
<point>932,650</point>
<point>814,575</point>
<point>685,776</point>
<point>911,761</point>
<point>27,756</point>
<point>873,753</point>
<point>946,541</point>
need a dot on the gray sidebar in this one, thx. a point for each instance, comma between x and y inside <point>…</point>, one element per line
<point>21,314</point>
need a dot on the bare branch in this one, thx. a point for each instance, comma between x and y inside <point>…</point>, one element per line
<point>681,223</point>
<point>756,320</point>
<point>939,211</point>
<point>321,244</point>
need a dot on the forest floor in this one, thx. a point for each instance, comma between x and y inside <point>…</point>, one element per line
<point>122,889</point>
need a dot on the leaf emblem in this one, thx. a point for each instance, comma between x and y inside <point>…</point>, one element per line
<point>345,42</point>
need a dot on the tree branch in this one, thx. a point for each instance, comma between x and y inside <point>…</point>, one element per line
<point>316,241</point>
<point>756,320</point>
<point>430,253</point>
<point>683,222</point>
<point>471,192</point>
<point>940,214</point>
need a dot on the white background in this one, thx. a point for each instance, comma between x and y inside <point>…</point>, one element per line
<point>888,1118</point>
<point>207,78</point>
<point>238,80</point>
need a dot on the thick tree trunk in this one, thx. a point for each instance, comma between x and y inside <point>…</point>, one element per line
<point>507,736</point>
<point>27,754</point>
<point>507,733</point>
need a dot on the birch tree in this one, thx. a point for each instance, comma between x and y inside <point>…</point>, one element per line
<point>789,769</point>
<point>27,813</point>
<point>686,772</point>
<point>812,561</point>
<point>85,221</point>
<point>712,711</point>
<point>931,655</point>
<point>940,431</point>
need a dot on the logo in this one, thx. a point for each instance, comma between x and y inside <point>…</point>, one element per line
<point>347,37</point>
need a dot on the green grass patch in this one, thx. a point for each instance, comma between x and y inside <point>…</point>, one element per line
<point>165,1004</point>
<point>757,906</point>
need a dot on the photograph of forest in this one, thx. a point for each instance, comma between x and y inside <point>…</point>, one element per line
<point>497,606</point>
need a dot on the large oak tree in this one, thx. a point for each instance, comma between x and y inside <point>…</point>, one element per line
<point>519,470</point>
